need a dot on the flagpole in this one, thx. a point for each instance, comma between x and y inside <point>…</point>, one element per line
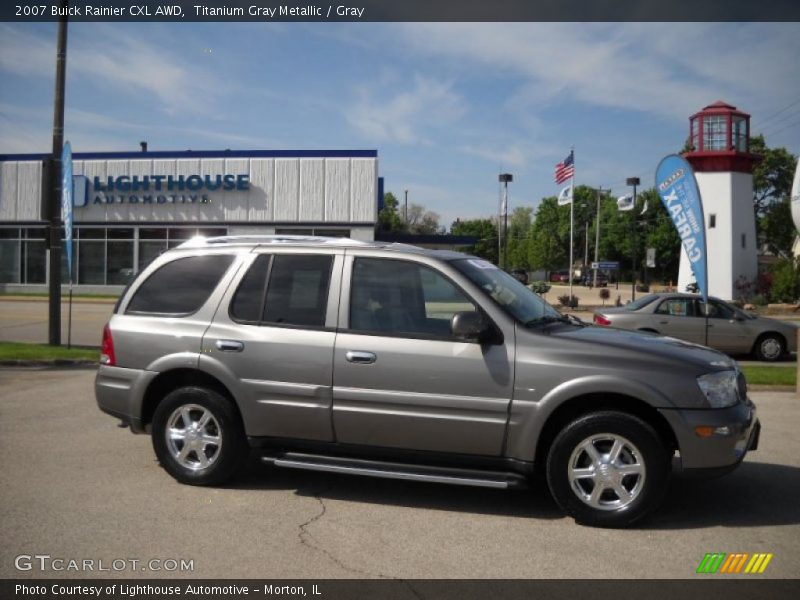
<point>571,226</point>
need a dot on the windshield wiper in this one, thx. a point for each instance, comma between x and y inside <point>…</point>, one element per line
<point>547,319</point>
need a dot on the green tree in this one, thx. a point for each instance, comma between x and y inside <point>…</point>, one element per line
<point>776,228</point>
<point>422,221</point>
<point>519,231</point>
<point>389,218</point>
<point>486,232</point>
<point>772,185</point>
<point>549,239</point>
<point>772,175</point>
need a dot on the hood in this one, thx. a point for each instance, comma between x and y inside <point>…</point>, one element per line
<point>644,347</point>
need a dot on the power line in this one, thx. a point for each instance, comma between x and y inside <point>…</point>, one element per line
<point>775,114</point>
<point>782,129</point>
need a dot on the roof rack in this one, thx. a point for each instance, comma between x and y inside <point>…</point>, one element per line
<point>199,241</point>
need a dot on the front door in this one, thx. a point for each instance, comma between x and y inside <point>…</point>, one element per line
<point>400,378</point>
<point>725,331</point>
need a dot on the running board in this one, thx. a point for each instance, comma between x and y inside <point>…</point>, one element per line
<point>390,470</point>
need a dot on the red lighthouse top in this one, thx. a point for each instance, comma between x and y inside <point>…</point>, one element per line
<point>720,139</point>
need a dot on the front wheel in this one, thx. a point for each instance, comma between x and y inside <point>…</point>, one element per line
<point>608,469</point>
<point>198,436</point>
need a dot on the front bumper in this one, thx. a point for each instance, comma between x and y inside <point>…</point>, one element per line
<point>736,432</point>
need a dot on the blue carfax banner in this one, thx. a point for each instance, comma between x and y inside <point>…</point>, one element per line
<point>678,190</point>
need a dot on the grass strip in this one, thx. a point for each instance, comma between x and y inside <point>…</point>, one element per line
<point>11,351</point>
<point>770,375</point>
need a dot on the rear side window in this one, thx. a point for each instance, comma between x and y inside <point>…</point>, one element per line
<point>180,287</point>
<point>296,293</point>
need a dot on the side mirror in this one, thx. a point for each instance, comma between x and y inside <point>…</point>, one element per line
<point>469,326</point>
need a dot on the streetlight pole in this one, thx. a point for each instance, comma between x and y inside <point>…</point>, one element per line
<point>634,181</point>
<point>405,210</point>
<point>599,191</point>
<point>505,178</point>
<point>54,174</point>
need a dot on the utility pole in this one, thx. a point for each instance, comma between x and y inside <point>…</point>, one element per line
<point>405,211</point>
<point>54,204</point>
<point>505,178</point>
<point>599,191</point>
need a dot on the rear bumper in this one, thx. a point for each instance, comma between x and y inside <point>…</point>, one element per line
<point>119,392</point>
<point>736,432</point>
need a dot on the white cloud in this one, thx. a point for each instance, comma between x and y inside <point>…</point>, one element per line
<point>667,69</point>
<point>113,57</point>
<point>403,115</point>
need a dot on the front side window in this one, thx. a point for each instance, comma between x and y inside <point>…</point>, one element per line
<point>716,310</point>
<point>289,289</point>
<point>403,298</point>
<point>181,286</point>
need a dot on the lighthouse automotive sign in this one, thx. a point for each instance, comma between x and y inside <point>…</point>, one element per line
<point>680,195</point>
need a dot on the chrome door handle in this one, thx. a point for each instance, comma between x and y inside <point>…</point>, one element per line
<point>364,358</point>
<point>229,345</point>
<point>663,322</point>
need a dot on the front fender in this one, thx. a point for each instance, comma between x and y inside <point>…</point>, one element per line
<point>530,413</point>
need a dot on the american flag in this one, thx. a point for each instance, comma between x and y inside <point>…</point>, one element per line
<point>566,168</point>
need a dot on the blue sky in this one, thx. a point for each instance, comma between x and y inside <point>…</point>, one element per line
<point>447,106</point>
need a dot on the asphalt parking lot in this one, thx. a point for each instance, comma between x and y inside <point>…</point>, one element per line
<point>74,486</point>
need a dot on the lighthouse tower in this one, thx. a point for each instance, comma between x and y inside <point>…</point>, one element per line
<point>723,165</point>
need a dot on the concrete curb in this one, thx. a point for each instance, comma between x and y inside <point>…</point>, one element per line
<point>64,299</point>
<point>58,362</point>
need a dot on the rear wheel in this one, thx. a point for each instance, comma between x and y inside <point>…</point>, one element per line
<point>198,436</point>
<point>769,347</point>
<point>608,469</point>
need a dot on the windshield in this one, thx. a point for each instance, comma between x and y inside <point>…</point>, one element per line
<point>641,302</point>
<point>508,293</point>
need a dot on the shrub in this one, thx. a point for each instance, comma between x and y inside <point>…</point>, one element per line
<point>759,300</point>
<point>540,287</point>
<point>618,301</point>
<point>605,294</point>
<point>786,281</point>
<point>566,300</point>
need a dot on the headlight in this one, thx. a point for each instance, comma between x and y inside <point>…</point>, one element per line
<point>720,388</point>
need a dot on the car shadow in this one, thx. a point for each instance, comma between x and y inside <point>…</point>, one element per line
<point>754,495</point>
<point>525,503</point>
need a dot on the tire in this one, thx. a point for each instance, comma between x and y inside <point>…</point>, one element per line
<point>769,347</point>
<point>209,445</point>
<point>640,472</point>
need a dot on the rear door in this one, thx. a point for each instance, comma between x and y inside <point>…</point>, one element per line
<point>274,334</point>
<point>400,379</point>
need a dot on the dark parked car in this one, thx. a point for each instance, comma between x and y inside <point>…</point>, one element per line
<point>520,275</point>
<point>682,316</point>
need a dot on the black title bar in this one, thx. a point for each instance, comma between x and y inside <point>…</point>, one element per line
<point>405,10</point>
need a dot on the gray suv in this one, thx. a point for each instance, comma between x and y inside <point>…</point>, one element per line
<point>394,361</point>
